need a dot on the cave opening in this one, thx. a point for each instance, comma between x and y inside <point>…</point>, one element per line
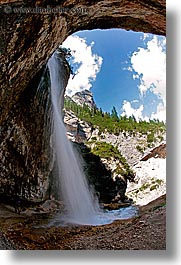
<point>124,71</point>
<point>100,56</point>
<point>142,62</point>
<point>21,118</point>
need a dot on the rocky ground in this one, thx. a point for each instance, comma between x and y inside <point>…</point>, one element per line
<point>150,177</point>
<point>4,244</point>
<point>144,232</point>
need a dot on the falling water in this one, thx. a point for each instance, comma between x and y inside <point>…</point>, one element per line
<point>81,205</point>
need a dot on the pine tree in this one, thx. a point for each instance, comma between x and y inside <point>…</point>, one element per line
<point>114,114</point>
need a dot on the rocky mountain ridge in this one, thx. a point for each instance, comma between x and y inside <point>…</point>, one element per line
<point>84,97</point>
<point>146,159</point>
<point>133,145</point>
<point>79,130</point>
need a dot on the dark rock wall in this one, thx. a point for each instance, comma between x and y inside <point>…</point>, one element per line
<point>25,166</point>
<point>27,41</point>
<point>98,176</point>
<point>21,147</point>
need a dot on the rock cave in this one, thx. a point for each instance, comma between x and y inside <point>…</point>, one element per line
<point>27,41</point>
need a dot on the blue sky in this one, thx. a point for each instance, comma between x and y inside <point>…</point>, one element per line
<point>122,68</point>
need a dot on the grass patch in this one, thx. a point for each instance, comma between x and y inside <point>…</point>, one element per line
<point>108,151</point>
<point>140,149</point>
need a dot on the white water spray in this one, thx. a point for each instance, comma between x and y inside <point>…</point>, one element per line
<point>81,205</point>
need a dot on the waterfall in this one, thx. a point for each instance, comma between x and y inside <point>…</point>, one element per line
<point>81,206</point>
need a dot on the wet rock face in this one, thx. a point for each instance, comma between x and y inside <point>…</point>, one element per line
<point>25,166</point>
<point>21,148</point>
<point>20,143</point>
<point>28,38</point>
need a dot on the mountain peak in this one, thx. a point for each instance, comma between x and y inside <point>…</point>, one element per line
<point>84,98</point>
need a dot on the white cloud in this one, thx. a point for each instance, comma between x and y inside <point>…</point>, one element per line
<point>149,66</point>
<point>128,111</point>
<point>160,114</point>
<point>135,101</point>
<point>90,64</point>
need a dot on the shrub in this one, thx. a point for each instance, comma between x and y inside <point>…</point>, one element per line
<point>150,138</point>
<point>154,187</point>
<point>93,138</point>
<point>105,150</point>
<point>144,186</point>
<point>140,149</point>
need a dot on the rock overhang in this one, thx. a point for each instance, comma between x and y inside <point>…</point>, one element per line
<point>32,31</point>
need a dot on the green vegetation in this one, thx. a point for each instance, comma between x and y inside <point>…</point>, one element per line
<point>144,187</point>
<point>154,187</point>
<point>114,114</point>
<point>108,151</point>
<point>160,137</point>
<point>114,124</point>
<point>155,183</point>
<point>150,137</point>
<point>140,149</point>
